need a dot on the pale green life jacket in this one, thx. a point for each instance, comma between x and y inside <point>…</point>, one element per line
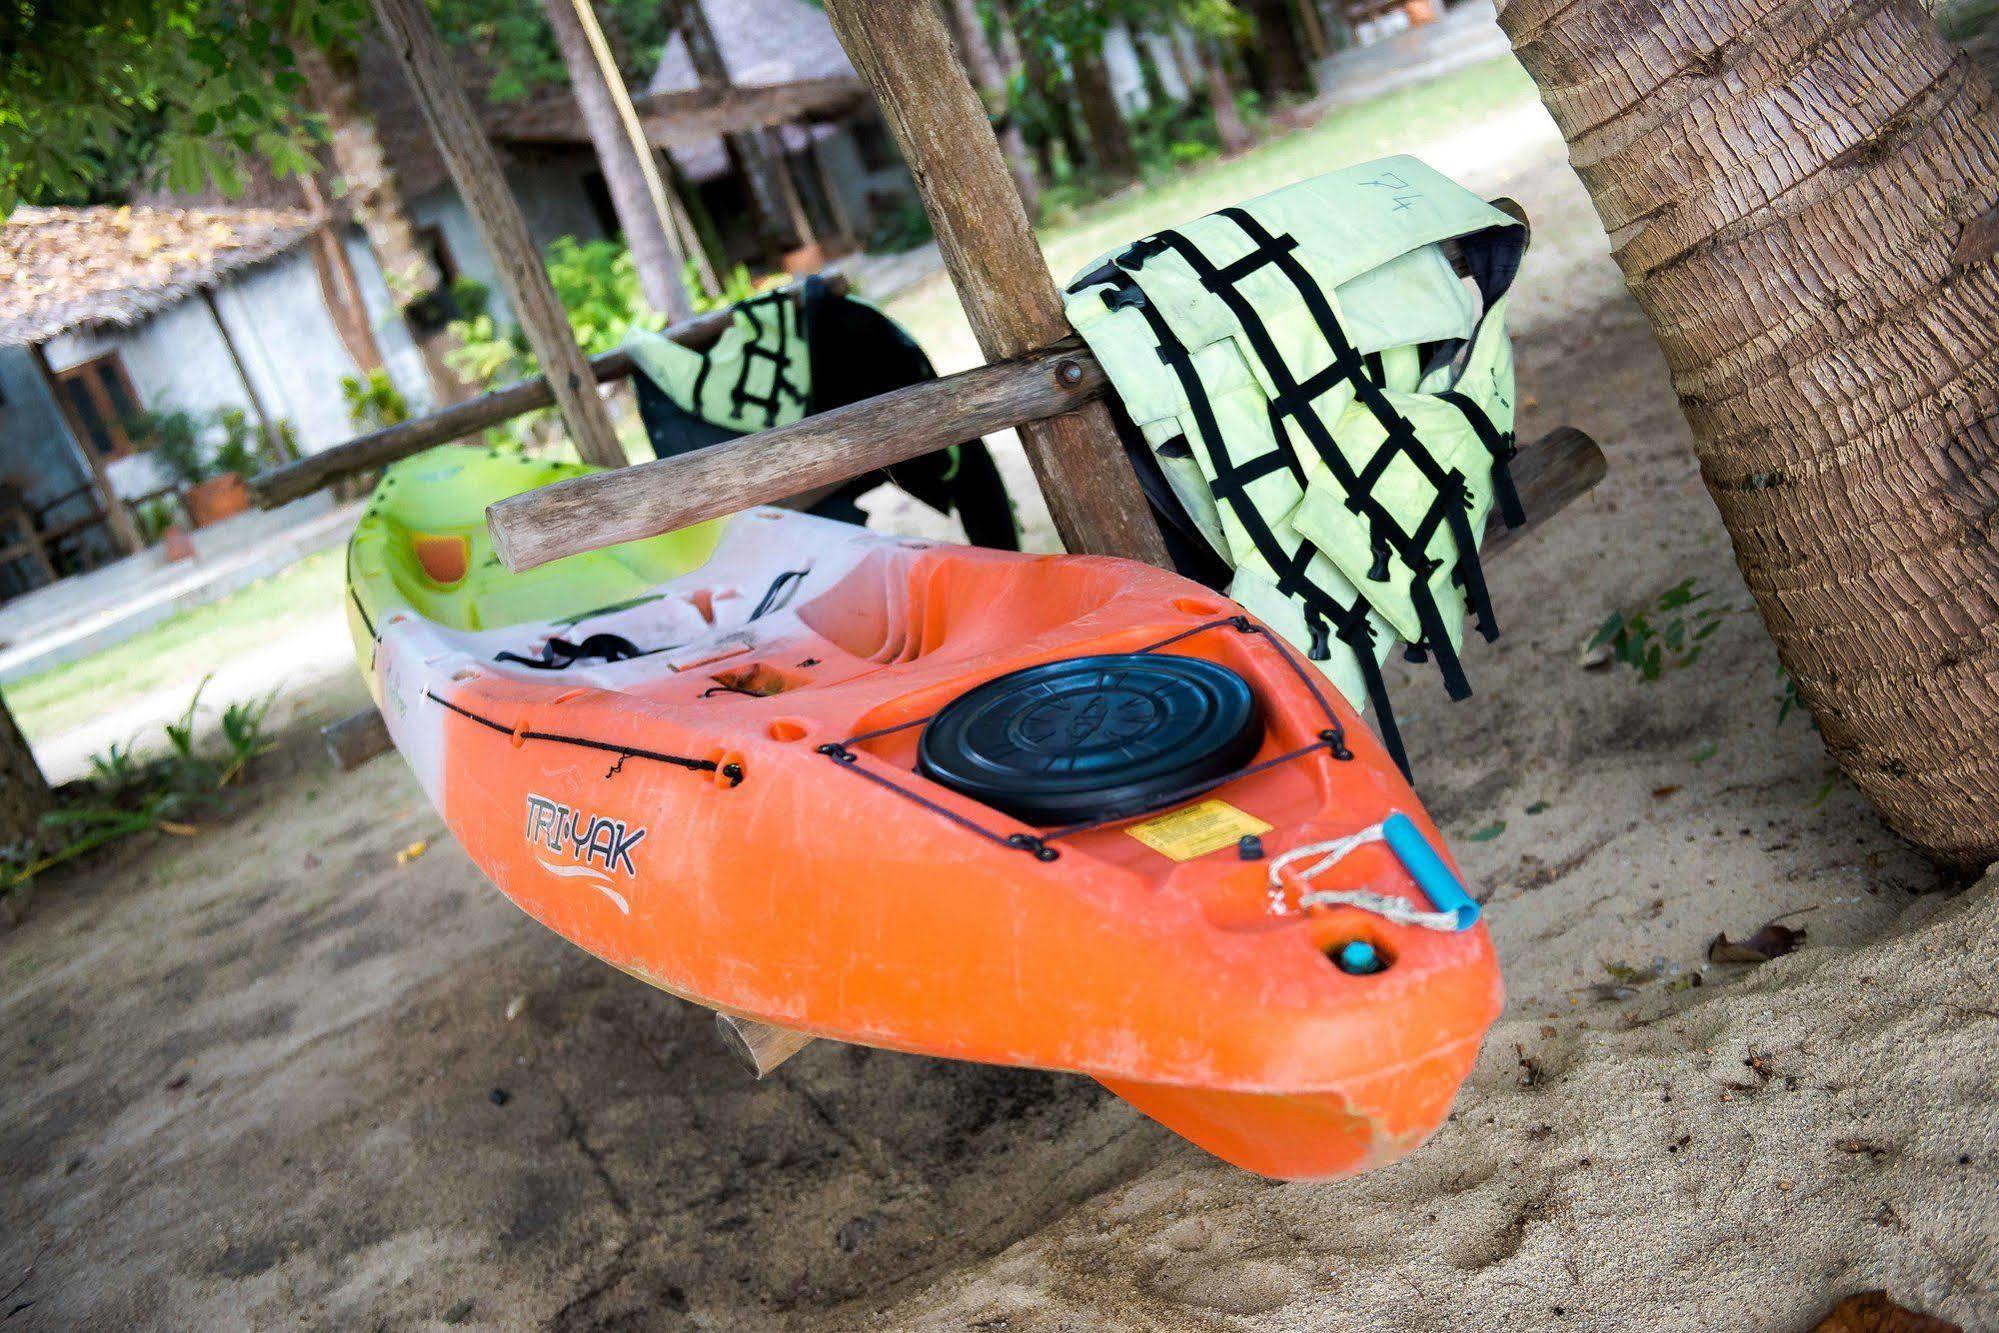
<point>756,376</point>
<point>1331,404</point>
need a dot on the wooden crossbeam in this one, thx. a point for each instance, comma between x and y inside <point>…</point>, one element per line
<point>585,513</point>
<point>1551,474</point>
<point>354,740</point>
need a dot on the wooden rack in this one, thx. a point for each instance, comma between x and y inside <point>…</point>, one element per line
<point>1039,379</point>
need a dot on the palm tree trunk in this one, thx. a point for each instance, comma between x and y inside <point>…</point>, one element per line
<point>637,194</point>
<point>372,196</point>
<point>1805,201</point>
<point>1229,127</point>
<point>1110,135</point>
<point>989,78</point>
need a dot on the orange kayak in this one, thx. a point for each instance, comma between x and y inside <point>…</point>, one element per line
<point>1062,812</point>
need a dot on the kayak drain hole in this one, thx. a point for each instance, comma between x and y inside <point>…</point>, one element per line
<point>1359,957</point>
<point>784,729</point>
<point>1195,606</point>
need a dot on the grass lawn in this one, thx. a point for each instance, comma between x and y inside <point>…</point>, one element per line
<point>50,702</point>
<point>1391,124</point>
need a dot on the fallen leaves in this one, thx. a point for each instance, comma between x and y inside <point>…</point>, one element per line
<point>1774,940</point>
<point>1488,833</point>
<point>413,851</point>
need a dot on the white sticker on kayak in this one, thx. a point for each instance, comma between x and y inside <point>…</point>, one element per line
<point>592,846</point>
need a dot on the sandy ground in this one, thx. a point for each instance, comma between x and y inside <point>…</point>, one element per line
<point>273,1077</point>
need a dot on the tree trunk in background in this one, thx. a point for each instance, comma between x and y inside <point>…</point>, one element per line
<point>1229,127</point>
<point>638,199</point>
<point>1279,48</point>
<point>372,196</point>
<point>24,793</point>
<point>989,78</point>
<point>746,154</point>
<point>1805,201</point>
<point>1110,135</point>
<point>1048,81</point>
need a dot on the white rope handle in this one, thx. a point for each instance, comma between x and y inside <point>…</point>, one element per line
<point>1331,853</point>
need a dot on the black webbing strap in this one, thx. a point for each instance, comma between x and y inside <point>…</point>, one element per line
<point>1229,486</point>
<point>559,654</point>
<point>1503,450</point>
<point>779,305</point>
<point>1292,404</point>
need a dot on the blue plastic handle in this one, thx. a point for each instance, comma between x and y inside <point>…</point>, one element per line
<point>1428,869</point>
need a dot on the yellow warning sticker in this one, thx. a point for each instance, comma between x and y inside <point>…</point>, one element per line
<point>1197,830</point>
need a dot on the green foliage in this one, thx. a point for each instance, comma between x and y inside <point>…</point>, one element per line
<point>904,227</point>
<point>739,285</point>
<point>127,794</point>
<point>1059,26</point>
<point>181,90</point>
<point>242,448</point>
<point>598,284</point>
<point>155,517</point>
<point>178,441</point>
<point>1962,20</point>
<point>1669,631</point>
<point>517,47</point>
<point>243,735</point>
<point>373,400</point>
<point>174,436</point>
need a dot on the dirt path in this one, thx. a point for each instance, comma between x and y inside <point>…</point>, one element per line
<point>276,1078</point>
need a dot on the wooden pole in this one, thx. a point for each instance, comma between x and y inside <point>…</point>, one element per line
<point>1552,473</point>
<point>599,86</point>
<point>124,529</point>
<point>339,285</point>
<point>904,51</point>
<point>787,186</point>
<point>379,448</point>
<point>272,444</point>
<point>691,243</point>
<point>469,158</point>
<point>760,1047</point>
<point>845,234</point>
<point>585,513</point>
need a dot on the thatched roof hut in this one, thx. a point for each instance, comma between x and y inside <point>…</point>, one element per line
<point>71,268</point>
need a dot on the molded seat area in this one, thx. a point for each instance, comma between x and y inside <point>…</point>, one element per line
<point>422,544</point>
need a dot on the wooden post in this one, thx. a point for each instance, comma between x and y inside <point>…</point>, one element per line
<point>759,1047</point>
<point>339,285</point>
<point>843,221</point>
<point>475,170</point>
<point>691,243</point>
<point>904,51</point>
<point>354,740</point>
<point>274,445</point>
<point>124,529</point>
<point>787,186</point>
<point>651,235</point>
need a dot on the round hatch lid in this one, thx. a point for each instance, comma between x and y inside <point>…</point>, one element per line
<point>1092,738</point>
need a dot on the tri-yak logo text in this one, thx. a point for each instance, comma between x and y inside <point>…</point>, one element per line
<point>592,846</point>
